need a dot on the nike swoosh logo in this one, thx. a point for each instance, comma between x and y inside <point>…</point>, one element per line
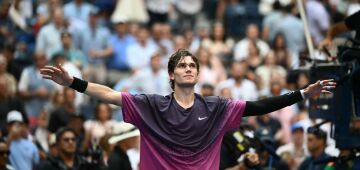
<point>202,118</point>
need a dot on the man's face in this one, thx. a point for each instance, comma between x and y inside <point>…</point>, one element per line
<point>58,17</point>
<point>143,36</point>
<point>313,143</point>
<point>155,62</point>
<point>298,137</point>
<point>66,40</point>
<point>121,28</point>
<point>185,73</point>
<point>67,143</point>
<point>40,60</point>
<point>238,70</point>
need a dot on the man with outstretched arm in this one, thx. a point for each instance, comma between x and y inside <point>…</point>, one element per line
<point>182,130</point>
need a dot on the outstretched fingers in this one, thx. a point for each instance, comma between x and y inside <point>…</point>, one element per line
<point>46,71</point>
<point>61,68</point>
<point>47,77</point>
<point>327,85</point>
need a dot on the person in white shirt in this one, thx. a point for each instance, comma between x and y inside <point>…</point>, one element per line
<point>241,87</point>
<point>252,34</point>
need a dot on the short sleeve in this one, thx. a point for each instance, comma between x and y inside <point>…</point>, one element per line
<point>234,111</point>
<point>130,107</point>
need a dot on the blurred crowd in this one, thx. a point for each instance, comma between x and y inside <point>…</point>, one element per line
<point>247,49</point>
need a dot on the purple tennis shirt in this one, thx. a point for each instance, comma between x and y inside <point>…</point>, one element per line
<point>176,138</point>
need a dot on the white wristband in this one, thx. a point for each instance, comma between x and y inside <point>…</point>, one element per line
<point>303,93</point>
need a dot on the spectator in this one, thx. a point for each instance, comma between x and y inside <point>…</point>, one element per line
<point>159,10</point>
<point>283,55</point>
<point>13,67</point>
<point>226,93</point>
<point>254,59</point>
<point>318,19</point>
<point>7,26</point>
<point>252,35</point>
<point>164,43</point>
<point>67,159</point>
<point>76,123</point>
<point>60,117</point>
<point>118,64</point>
<point>269,67</point>
<point>139,53</point>
<point>219,45</point>
<point>56,101</point>
<point>7,103</point>
<point>207,90</point>
<point>269,159</point>
<point>41,134</point>
<point>241,87</point>
<point>9,78</point>
<point>211,69</point>
<point>49,39</point>
<point>316,143</point>
<point>267,126</point>
<point>125,137</point>
<point>187,11</point>
<point>180,42</point>
<point>78,10</point>
<point>71,53</point>
<point>44,11</point>
<point>293,30</point>
<point>234,14</point>
<point>34,90</point>
<point>193,41</point>
<point>95,51</point>
<point>270,21</point>
<point>153,79</point>
<point>297,147</point>
<point>24,154</point>
<point>4,155</point>
<point>102,125</point>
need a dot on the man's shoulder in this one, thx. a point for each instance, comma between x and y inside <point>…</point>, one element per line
<point>148,97</point>
<point>47,28</point>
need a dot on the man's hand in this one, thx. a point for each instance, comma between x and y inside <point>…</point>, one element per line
<point>57,74</point>
<point>326,43</point>
<point>321,86</point>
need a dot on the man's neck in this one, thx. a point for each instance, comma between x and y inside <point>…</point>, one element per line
<point>184,96</point>
<point>238,81</point>
<point>69,160</point>
<point>67,47</point>
<point>155,70</point>
<point>316,154</point>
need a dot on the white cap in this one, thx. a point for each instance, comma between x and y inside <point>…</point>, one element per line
<point>14,116</point>
<point>115,19</point>
<point>122,131</point>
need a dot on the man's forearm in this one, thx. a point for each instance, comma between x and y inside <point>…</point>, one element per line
<point>272,104</point>
<point>336,29</point>
<point>104,93</point>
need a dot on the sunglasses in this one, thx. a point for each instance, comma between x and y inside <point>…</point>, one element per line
<point>69,139</point>
<point>4,153</point>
